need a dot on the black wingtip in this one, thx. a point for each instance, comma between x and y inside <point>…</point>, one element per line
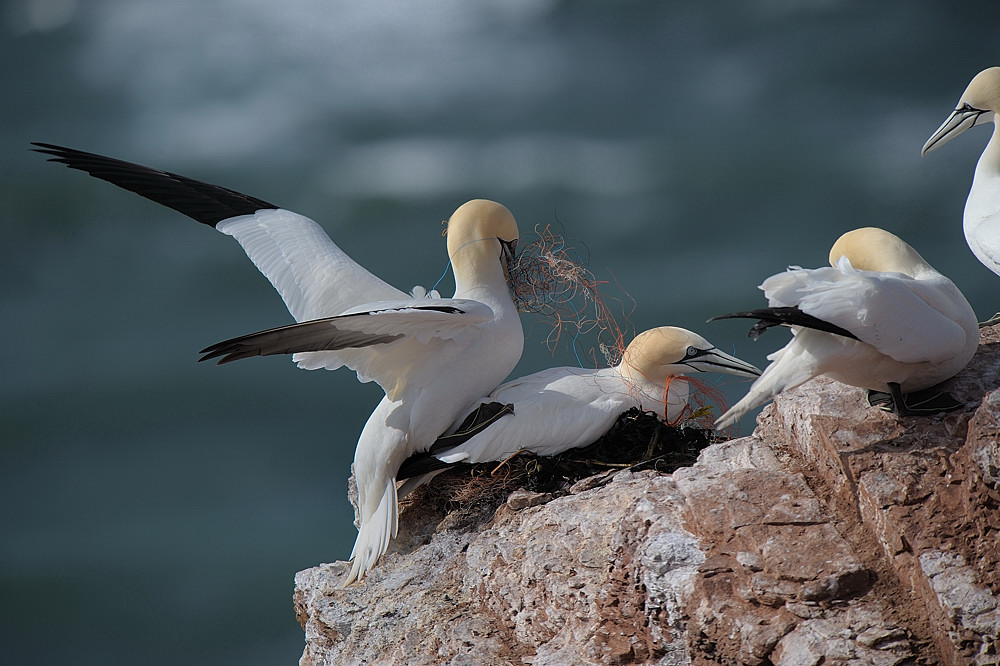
<point>203,202</point>
<point>734,315</point>
<point>785,316</point>
<point>419,464</point>
<point>485,415</point>
<point>208,357</point>
<point>765,321</point>
<point>228,351</point>
<point>481,418</point>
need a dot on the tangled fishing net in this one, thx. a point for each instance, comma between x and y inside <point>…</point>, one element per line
<point>550,278</point>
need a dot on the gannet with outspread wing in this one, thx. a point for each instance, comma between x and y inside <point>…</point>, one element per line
<point>432,356</point>
<point>554,410</point>
<point>978,106</point>
<point>879,318</point>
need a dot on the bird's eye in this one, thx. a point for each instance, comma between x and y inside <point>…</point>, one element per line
<point>692,352</point>
<point>967,107</point>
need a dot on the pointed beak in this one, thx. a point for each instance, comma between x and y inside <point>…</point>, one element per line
<point>509,249</point>
<point>508,255</point>
<point>713,360</point>
<point>960,120</point>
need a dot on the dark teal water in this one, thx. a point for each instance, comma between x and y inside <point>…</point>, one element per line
<point>154,510</point>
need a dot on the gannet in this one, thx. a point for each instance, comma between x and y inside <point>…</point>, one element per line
<point>557,409</point>
<point>432,356</point>
<point>981,221</point>
<point>880,318</point>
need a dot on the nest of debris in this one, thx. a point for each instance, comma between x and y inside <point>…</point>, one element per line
<point>637,441</point>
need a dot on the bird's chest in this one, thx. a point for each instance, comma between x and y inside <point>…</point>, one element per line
<point>982,225</point>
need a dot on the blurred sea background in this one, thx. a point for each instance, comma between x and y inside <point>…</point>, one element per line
<point>155,510</point>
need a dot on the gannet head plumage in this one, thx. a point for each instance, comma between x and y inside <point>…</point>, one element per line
<point>977,106</point>
<point>480,234</point>
<point>874,249</point>
<point>668,351</point>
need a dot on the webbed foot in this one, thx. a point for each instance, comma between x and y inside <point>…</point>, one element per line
<point>918,403</point>
<point>995,319</point>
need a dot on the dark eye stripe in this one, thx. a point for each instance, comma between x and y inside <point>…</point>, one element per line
<point>694,352</point>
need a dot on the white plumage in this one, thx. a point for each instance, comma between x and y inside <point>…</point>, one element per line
<point>981,222</point>
<point>439,354</point>
<point>562,408</point>
<point>432,356</point>
<point>428,355</point>
<point>879,318</point>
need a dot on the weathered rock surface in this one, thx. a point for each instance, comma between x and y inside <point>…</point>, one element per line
<point>835,534</point>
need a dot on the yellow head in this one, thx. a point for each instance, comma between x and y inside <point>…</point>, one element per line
<point>983,92</point>
<point>668,351</point>
<point>874,249</point>
<point>978,106</point>
<point>482,235</point>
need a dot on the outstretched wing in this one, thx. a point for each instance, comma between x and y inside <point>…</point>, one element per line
<point>314,277</point>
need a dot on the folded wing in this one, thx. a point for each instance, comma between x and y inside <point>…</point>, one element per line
<point>903,317</point>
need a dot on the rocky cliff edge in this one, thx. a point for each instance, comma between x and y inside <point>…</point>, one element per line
<point>834,534</point>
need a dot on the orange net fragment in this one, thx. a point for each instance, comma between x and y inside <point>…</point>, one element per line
<point>704,404</point>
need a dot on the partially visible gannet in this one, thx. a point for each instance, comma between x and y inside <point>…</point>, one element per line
<point>554,410</point>
<point>432,356</point>
<point>981,222</point>
<point>880,318</point>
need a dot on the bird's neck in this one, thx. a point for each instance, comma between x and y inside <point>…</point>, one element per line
<point>984,198</point>
<point>636,378</point>
<point>989,161</point>
<point>668,400</point>
<point>479,275</point>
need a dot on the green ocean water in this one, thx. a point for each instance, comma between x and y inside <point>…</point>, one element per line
<point>154,510</point>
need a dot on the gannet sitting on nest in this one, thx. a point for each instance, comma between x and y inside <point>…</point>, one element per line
<point>978,106</point>
<point>880,318</point>
<point>554,410</point>
<point>431,356</point>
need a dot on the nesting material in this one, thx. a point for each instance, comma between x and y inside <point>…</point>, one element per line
<point>638,440</point>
